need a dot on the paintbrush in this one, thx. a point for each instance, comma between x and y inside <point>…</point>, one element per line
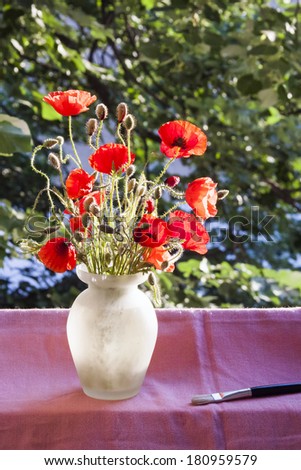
<point>252,392</point>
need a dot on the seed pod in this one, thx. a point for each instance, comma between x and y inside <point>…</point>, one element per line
<point>50,143</point>
<point>101,111</point>
<point>222,193</point>
<point>121,112</point>
<point>91,126</point>
<point>54,161</point>
<point>129,122</point>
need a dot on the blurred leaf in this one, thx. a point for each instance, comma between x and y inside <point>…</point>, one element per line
<point>14,135</point>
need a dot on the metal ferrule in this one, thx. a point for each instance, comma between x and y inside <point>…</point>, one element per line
<point>243,393</point>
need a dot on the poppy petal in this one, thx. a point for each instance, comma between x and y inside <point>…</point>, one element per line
<point>58,255</point>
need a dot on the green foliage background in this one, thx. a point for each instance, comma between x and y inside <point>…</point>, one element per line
<point>232,68</point>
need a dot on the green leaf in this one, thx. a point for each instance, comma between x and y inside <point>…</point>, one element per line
<point>148,4</point>
<point>268,97</point>
<point>248,85</point>
<point>49,113</point>
<point>264,49</point>
<point>14,135</point>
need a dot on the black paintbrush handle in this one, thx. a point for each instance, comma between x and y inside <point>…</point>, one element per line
<point>281,389</point>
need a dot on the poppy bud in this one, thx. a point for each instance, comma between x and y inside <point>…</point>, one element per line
<point>108,258</point>
<point>164,265</point>
<point>129,122</point>
<point>50,143</point>
<point>157,192</point>
<point>60,140</point>
<point>79,236</point>
<point>85,219</point>
<point>130,170</point>
<point>88,201</point>
<point>121,112</point>
<point>101,111</point>
<point>54,161</point>
<point>172,181</point>
<point>141,190</point>
<point>152,279</point>
<point>94,209</point>
<point>222,193</point>
<point>132,184</point>
<point>91,126</point>
<point>106,229</point>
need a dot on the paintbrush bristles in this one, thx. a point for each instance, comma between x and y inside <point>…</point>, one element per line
<point>202,399</point>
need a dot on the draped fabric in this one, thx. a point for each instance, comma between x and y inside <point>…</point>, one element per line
<point>198,351</point>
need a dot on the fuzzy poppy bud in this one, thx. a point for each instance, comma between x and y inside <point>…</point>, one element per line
<point>85,219</point>
<point>129,122</point>
<point>87,202</point>
<point>141,190</point>
<point>121,112</point>
<point>222,193</point>
<point>54,161</point>
<point>130,170</point>
<point>152,279</point>
<point>150,205</point>
<point>132,184</point>
<point>94,209</point>
<point>91,126</point>
<point>172,181</point>
<point>101,111</point>
<point>164,265</point>
<point>106,229</point>
<point>50,143</point>
<point>157,192</point>
<point>60,140</point>
<point>79,236</point>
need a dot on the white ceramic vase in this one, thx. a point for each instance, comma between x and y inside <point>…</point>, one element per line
<point>112,330</point>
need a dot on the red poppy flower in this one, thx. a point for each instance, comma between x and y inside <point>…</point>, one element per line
<point>79,183</point>
<point>187,228</point>
<point>151,231</point>
<point>58,254</point>
<point>111,158</point>
<point>150,206</point>
<point>70,102</point>
<point>201,195</point>
<point>76,224</point>
<point>182,139</point>
<point>157,256</point>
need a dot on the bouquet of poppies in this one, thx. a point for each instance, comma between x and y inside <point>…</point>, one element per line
<point>104,213</point>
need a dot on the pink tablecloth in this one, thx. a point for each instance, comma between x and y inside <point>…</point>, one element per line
<point>198,351</point>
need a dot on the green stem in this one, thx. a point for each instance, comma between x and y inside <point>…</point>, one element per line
<point>36,170</point>
<point>119,134</point>
<point>72,142</point>
<point>98,134</point>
